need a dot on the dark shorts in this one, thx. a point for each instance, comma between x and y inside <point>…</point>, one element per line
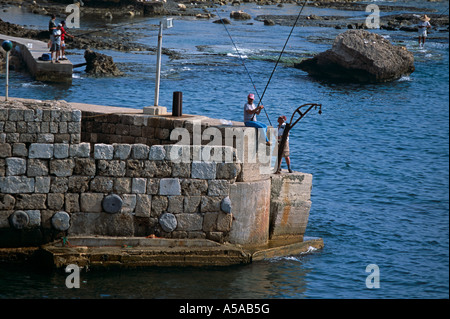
<point>55,47</point>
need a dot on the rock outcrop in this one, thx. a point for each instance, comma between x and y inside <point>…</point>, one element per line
<point>240,15</point>
<point>360,56</point>
<point>99,64</point>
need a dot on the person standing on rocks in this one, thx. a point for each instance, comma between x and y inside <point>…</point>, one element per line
<point>423,27</point>
<point>250,112</point>
<point>63,42</point>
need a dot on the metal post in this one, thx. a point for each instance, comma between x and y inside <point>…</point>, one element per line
<point>7,46</point>
<point>158,64</point>
<point>7,75</point>
<point>177,104</point>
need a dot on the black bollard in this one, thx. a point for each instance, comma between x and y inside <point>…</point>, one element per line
<point>177,104</point>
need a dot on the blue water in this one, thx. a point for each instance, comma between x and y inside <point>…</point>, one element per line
<point>379,155</point>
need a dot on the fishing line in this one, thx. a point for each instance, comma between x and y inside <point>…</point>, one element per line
<point>242,61</point>
<point>282,51</point>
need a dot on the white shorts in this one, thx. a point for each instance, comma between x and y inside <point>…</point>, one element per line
<point>423,33</point>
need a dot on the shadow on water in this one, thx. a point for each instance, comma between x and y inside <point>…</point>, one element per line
<point>278,278</point>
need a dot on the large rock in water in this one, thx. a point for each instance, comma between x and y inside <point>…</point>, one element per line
<point>100,64</point>
<point>360,56</point>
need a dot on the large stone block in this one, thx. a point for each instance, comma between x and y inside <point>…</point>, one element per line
<point>7,202</point>
<point>15,166</point>
<point>251,211</point>
<point>5,150</point>
<point>120,224</point>
<point>91,202</point>
<point>295,186</point>
<point>61,151</point>
<point>203,170</point>
<point>143,205</point>
<point>115,168</point>
<point>157,153</point>
<point>84,166</point>
<point>218,188</point>
<point>42,184</point>
<point>40,150</point>
<point>189,222</point>
<point>16,184</point>
<point>140,151</point>
<point>169,186</point>
<point>62,167</point>
<point>290,204</point>
<point>37,167</point>
<point>122,151</point>
<point>31,201</point>
<point>103,151</point>
<point>80,150</point>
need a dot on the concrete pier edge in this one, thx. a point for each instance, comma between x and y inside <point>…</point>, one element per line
<point>115,252</point>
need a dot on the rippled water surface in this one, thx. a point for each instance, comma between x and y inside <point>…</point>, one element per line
<point>379,155</point>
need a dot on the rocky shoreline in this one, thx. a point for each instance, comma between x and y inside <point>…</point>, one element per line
<point>106,38</point>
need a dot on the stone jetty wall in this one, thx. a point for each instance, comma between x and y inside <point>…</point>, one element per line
<point>69,172</point>
<point>52,184</point>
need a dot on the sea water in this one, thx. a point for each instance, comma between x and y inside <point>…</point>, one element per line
<point>379,155</point>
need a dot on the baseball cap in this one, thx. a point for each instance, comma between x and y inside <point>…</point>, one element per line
<point>251,96</point>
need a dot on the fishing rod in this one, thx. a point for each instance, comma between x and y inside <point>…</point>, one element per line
<point>290,125</point>
<point>282,51</point>
<point>242,61</point>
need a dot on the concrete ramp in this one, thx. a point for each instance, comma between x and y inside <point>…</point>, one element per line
<point>30,51</point>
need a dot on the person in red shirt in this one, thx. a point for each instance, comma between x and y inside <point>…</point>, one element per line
<point>63,42</point>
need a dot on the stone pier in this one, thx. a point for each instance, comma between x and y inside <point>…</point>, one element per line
<point>87,171</point>
<point>30,50</point>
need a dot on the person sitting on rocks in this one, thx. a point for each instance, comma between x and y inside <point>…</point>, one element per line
<point>250,112</point>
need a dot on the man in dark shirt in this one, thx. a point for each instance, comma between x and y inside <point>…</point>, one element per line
<point>52,24</point>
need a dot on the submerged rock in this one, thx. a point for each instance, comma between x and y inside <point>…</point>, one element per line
<point>100,64</point>
<point>360,56</point>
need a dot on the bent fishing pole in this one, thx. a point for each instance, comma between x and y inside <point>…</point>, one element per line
<point>290,125</point>
<point>282,51</point>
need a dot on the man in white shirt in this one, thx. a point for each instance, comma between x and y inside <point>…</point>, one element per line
<point>423,27</point>
<point>56,43</point>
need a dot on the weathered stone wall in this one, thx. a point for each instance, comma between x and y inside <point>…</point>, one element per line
<point>51,185</point>
<point>127,128</point>
<point>69,172</point>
